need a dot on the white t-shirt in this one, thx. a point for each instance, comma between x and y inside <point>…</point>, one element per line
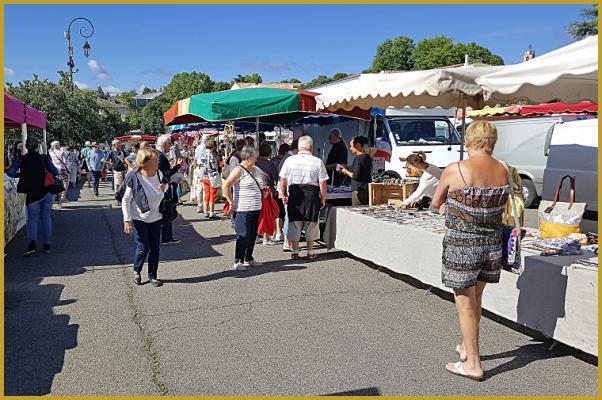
<point>303,169</point>
<point>428,183</point>
<point>152,188</point>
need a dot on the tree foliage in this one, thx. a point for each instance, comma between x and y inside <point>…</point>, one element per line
<point>151,118</point>
<point>253,78</point>
<point>580,30</point>
<point>186,84</point>
<point>322,79</point>
<point>72,115</point>
<point>401,54</point>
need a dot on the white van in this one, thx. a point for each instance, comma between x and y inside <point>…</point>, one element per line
<point>521,144</point>
<point>573,150</point>
<point>414,130</point>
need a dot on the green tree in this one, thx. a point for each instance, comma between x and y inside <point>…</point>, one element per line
<point>580,30</point>
<point>186,84</point>
<point>441,51</point>
<point>148,90</point>
<point>101,93</point>
<point>151,119</point>
<point>479,54</point>
<point>221,86</point>
<point>253,78</point>
<point>394,55</point>
<point>322,79</point>
<point>292,80</point>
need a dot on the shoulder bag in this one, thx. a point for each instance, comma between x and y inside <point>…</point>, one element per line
<point>52,183</point>
<point>559,219</point>
<point>169,204</point>
<point>511,235</point>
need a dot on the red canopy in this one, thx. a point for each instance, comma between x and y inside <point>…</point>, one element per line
<point>560,108</point>
<point>127,138</point>
<point>16,112</point>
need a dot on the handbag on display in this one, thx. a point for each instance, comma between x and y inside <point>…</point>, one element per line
<point>511,235</point>
<point>559,219</point>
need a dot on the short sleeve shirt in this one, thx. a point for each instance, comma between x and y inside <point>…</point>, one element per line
<point>303,169</point>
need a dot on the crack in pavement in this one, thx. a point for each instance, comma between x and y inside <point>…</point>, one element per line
<point>343,292</point>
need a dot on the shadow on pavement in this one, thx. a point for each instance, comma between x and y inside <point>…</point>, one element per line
<point>371,391</point>
<point>268,267</point>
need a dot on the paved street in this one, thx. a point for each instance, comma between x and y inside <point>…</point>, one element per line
<point>76,325</point>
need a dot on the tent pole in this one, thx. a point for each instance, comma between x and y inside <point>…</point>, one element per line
<point>463,128</point>
<point>23,138</point>
<point>256,132</point>
<point>45,143</point>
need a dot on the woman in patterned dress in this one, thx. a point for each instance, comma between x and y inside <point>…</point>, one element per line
<point>472,194</point>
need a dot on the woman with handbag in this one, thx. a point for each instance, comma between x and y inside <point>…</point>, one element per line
<point>473,193</point>
<point>145,188</point>
<point>32,170</point>
<point>246,206</point>
<point>212,180</point>
<point>59,159</point>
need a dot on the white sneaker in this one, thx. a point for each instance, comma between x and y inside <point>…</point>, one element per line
<point>252,263</point>
<point>212,215</point>
<point>277,238</point>
<point>239,267</point>
<point>268,243</point>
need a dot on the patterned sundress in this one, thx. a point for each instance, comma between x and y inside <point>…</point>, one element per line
<point>472,246</point>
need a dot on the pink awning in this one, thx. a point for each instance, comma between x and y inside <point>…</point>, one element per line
<point>16,112</point>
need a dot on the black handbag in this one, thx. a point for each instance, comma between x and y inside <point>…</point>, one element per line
<point>169,204</point>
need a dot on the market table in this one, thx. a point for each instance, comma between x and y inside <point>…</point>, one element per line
<point>553,295</point>
<point>15,215</point>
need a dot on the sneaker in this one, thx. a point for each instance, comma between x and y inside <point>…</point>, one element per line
<point>31,248</point>
<point>206,215</point>
<point>268,242</point>
<point>173,241</point>
<point>47,248</point>
<point>277,238</point>
<point>212,215</point>
<point>239,267</point>
<point>286,248</point>
<point>252,263</point>
<point>156,283</point>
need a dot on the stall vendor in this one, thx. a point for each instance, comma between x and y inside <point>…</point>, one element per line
<point>429,179</point>
<point>337,155</point>
<point>361,171</point>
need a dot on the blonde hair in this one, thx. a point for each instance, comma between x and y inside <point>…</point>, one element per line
<point>144,155</point>
<point>481,135</point>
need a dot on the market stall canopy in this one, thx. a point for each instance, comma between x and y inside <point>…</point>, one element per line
<point>275,106</point>
<point>568,74</point>
<point>583,107</point>
<point>149,138</point>
<point>17,112</point>
<point>429,88</point>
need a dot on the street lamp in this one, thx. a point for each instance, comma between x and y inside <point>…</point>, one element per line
<point>83,33</point>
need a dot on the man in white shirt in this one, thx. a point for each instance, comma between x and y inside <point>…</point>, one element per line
<point>302,188</point>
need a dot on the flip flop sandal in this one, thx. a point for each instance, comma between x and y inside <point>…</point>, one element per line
<point>458,369</point>
<point>460,353</point>
<point>312,257</point>
<point>295,256</point>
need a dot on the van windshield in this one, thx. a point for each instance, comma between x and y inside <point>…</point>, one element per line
<point>427,132</point>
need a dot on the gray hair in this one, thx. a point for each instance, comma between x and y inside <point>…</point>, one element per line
<point>305,143</point>
<point>337,132</point>
<point>55,145</point>
<point>248,152</point>
<point>163,139</point>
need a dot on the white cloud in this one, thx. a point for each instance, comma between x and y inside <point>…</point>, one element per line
<point>141,88</point>
<point>81,85</point>
<point>99,71</point>
<point>9,71</point>
<point>112,90</point>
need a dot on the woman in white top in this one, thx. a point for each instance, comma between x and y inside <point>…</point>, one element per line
<point>141,212</point>
<point>59,159</point>
<point>247,181</point>
<point>429,178</point>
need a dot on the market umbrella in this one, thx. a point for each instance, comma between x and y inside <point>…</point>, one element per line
<point>568,74</point>
<point>442,87</point>
<point>583,107</point>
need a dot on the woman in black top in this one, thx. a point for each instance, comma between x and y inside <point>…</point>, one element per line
<point>31,171</point>
<point>361,171</point>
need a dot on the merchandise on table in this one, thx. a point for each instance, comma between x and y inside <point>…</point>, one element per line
<point>565,246</point>
<point>338,189</point>
<point>588,262</point>
<point>426,220</point>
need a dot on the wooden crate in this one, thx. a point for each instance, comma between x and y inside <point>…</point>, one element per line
<point>381,193</point>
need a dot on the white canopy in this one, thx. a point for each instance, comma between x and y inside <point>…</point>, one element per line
<point>430,88</point>
<point>568,74</point>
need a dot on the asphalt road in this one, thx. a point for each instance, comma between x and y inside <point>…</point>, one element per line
<point>75,325</point>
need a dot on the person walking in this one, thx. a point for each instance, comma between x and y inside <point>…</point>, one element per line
<point>116,159</point>
<point>245,206</point>
<point>59,160</point>
<point>472,194</point>
<point>73,165</point>
<point>130,160</point>
<point>31,170</point>
<point>168,170</point>
<point>84,154</point>
<point>303,184</point>
<point>96,165</point>
<point>144,191</point>
<point>211,178</point>
<point>271,174</point>
<point>361,171</point>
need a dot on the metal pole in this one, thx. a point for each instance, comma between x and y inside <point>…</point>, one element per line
<point>82,32</point>
<point>257,132</point>
<point>45,143</point>
<point>463,128</point>
<point>23,138</point>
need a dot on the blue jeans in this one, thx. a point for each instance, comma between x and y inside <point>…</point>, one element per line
<point>95,180</point>
<point>285,225</point>
<point>40,211</point>
<point>245,225</point>
<point>148,243</point>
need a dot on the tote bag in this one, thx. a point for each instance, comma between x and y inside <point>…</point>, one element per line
<point>559,219</point>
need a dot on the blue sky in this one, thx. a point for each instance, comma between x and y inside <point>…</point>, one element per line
<point>136,45</point>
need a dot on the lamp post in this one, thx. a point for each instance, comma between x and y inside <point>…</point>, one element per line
<point>83,33</point>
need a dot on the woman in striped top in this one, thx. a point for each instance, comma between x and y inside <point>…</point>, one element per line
<point>247,181</point>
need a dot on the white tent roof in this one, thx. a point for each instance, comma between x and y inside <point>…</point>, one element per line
<point>430,88</point>
<point>568,74</point>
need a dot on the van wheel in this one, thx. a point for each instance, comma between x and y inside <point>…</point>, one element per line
<point>529,192</point>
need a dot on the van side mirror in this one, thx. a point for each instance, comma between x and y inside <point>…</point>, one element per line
<point>546,147</point>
